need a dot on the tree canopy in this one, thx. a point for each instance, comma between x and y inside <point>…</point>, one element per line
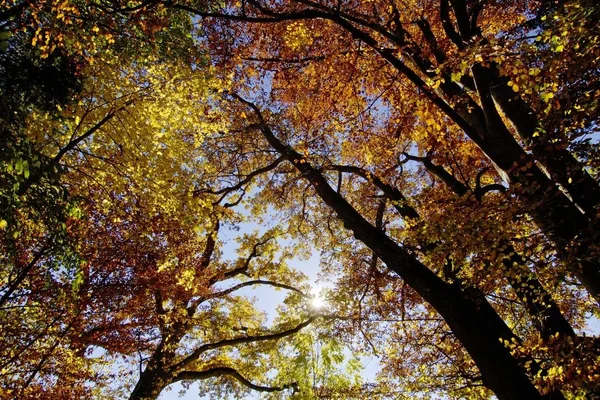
<point>441,156</point>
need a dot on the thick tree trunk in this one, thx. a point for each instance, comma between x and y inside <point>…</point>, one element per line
<point>474,323</point>
<point>563,168</point>
<point>157,376</point>
<point>152,381</point>
<point>566,171</point>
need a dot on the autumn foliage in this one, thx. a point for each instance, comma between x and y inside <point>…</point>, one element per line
<point>441,156</point>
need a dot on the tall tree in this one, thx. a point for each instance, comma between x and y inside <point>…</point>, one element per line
<point>456,71</point>
<point>465,309</point>
<point>142,276</point>
<point>402,118</point>
<point>155,289</point>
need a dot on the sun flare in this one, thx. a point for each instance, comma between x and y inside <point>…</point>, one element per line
<point>317,300</point>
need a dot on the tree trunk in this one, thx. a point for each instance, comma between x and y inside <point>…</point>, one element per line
<point>152,381</point>
<point>545,314</point>
<point>558,161</point>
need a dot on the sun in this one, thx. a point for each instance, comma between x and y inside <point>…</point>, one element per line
<point>317,300</point>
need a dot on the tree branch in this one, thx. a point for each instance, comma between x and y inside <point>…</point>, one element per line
<point>73,143</point>
<point>246,264</point>
<point>437,170</point>
<point>239,340</point>
<point>21,276</point>
<point>447,24</point>
<point>429,36</point>
<point>191,308</point>
<point>399,201</point>
<point>257,282</point>
<point>247,179</point>
<point>209,249</point>
<point>220,371</point>
<point>481,191</point>
<point>462,18</point>
<point>298,60</point>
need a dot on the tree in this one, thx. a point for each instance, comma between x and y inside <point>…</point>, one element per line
<point>466,311</point>
<point>470,105</point>
<point>35,210</point>
<point>393,121</point>
<point>140,274</point>
<point>426,62</point>
<point>164,295</point>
